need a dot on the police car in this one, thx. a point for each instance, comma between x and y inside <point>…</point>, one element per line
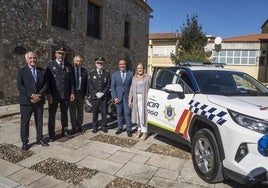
<point>221,114</point>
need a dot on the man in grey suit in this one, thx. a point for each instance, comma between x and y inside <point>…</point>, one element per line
<point>32,86</point>
<point>120,86</point>
<point>76,107</point>
<point>60,91</point>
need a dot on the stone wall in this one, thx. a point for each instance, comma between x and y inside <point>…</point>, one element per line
<point>26,25</point>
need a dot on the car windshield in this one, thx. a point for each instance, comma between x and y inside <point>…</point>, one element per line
<point>222,82</point>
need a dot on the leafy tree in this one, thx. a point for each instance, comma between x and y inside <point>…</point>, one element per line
<point>191,43</point>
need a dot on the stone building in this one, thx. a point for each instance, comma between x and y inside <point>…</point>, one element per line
<point>112,29</point>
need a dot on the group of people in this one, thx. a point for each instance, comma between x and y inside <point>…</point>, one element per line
<point>68,85</point>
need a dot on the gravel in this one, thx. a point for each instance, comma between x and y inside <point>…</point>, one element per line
<point>13,153</point>
<point>126,183</point>
<point>124,142</point>
<point>169,151</point>
<point>65,171</point>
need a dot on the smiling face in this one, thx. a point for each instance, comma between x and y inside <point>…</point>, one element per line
<point>122,65</point>
<point>140,69</point>
<point>60,56</point>
<point>31,59</point>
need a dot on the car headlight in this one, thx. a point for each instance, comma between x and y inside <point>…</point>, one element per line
<point>251,123</point>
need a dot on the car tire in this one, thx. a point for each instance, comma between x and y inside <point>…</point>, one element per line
<point>206,157</point>
<point>112,110</point>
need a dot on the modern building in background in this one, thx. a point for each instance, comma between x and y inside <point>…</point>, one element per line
<point>247,53</point>
<point>113,29</point>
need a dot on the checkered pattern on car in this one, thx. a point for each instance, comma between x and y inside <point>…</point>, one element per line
<point>210,113</point>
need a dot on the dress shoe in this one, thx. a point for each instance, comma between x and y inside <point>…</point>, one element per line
<point>129,134</point>
<point>25,147</point>
<point>67,134</point>
<point>95,130</point>
<point>80,130</point>
<point>51,139</point>
<point>42,143</point>
<point>73,131</point>
<point>104,130</point>
<point>119,131</point>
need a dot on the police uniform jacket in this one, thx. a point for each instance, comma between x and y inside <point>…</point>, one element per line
<point>60,80</point>
<point>98,83</point>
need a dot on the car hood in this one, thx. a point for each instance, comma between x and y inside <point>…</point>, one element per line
<point>253,106</point>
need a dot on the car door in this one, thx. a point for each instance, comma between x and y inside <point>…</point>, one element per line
<point>166,110</point>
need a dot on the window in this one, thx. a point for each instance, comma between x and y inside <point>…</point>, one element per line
<point>236,57</point>
<point>163,51</point>
<point>127,35</point>
<point>93,21</point>
<point>60,14</point>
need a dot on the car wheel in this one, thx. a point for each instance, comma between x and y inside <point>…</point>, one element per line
<point>112,110</point>
<point>205,156</point>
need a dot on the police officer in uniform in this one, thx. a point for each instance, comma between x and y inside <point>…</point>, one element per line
<point>60,91</point>
<point>99,85</point>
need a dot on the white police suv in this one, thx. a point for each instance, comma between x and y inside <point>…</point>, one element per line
<point>221,114</point>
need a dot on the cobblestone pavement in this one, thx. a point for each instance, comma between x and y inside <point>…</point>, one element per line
<point>109,165</point>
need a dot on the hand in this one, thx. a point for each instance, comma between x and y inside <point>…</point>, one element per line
<point>35,98</point>
<point>116,100</point>
<point>99,95</point>
<point>130,105</point>
<point>72,97</point>
<point>49,99</point>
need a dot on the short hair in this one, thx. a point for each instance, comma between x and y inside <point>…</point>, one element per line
<point>30,52</point>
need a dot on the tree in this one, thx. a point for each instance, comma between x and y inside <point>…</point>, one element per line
<point>191,43</point>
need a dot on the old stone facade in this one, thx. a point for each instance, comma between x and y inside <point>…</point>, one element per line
<point>27,25</point>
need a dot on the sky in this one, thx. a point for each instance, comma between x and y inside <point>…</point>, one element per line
<point>220,18</point>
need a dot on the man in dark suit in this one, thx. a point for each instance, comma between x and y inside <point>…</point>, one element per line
<point>76,107</point>
<point>99,86</point>
<point>121,82</point>
<point>60,91</point>
<point>32,85</point>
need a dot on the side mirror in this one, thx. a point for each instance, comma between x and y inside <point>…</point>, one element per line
<point>174,88</point>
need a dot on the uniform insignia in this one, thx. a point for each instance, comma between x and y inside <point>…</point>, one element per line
<point>169,113</point>
<point>94,77</point>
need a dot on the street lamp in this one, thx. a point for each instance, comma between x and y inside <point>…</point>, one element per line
<point>217,46</point>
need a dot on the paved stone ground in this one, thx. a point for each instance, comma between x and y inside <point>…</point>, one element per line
<point>111,161</point>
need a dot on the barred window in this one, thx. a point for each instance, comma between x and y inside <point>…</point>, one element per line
<point>93,20</point>
<point>60,14</point>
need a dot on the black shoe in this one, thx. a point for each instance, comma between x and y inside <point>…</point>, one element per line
<point>119,131</point>
<point>104,130</point>
<point>67,134</point>
<point>25,147</point>
<point>80,130</point>
<point>51,139</point>
<point>129,134</point>
<point>73,131</point>
<point>95,130</point>
<point>42,143</point>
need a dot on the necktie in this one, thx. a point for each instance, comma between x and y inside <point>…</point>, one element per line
<point>62,65</point>
<point>34,74</point>
<point>99,73</point>
<point>77,78</point>
<point>123,75</point>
